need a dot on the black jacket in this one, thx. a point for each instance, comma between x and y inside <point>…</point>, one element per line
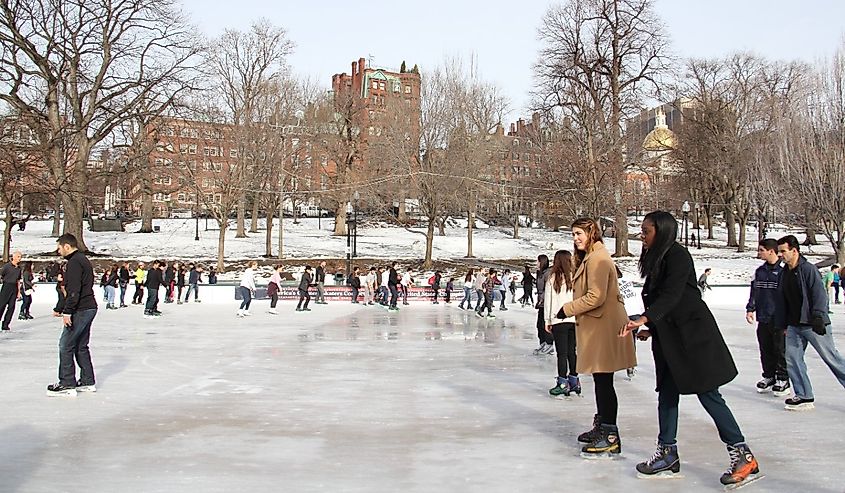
<point>814,304</point>
<point>79,284</point>
<point>393,277</point>
<point>169,275</point>
<point>180,278</point>
<point>321,274</point>
<point>764,297</point>
<point>686,339</point>
<point>355,281</point>
<point>305,281</point>
<point>124,275</point>
<point>154,279</point>
<point>112,278</point>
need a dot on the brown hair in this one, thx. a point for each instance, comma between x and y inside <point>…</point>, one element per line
<point>593,231</point>
<point>562,270</point>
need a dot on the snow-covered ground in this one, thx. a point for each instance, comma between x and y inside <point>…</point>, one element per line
<point>306,241</point>
<point>350,398</point>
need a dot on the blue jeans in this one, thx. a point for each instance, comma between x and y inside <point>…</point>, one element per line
<point>796,343</point>
<point>467,296</point>
<point>192,287</point>
<point>246,294</point>
<point>73,345</point>
<point>110,294</point>
<point>668,398</point>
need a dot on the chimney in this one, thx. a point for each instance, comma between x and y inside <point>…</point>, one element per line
<point>354,75</point>
<point>535,120</point>
<point>361,65</point>
<point>513,130</point>
<point>520,126</point>
<point>500,129</point>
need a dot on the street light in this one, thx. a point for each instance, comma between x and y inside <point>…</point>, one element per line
<point>685,209</point>
<point>698,225</point>
<point>349,222</point>
<point>197,215</point>
<point>356,197</point>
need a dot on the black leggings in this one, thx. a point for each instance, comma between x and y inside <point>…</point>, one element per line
<point>564,335</point>
<point>545,337</point>
<point>304,295</point>
<point>606,403</point>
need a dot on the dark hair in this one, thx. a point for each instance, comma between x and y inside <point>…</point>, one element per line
<point>26,266</point>
<point>307,268</point>
<point>527,270</point>
<point>392,264</point>
<point>791,241</point>
<point>562,270</point>
<point>68,239</point>
<point>707,270</point>
<point>593,235</point>
<point>769,244</point>
<point>665,234</point>
<point>468,277</point>
<point>544,261</point>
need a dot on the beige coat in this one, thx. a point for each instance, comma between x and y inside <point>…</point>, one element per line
<point>599,315</point>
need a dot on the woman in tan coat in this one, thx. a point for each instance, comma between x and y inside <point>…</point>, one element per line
<point>599,315</point>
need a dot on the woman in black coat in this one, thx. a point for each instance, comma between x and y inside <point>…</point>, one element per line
<point>690,355</point>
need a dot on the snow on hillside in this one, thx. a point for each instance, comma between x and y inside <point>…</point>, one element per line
<point>306,240</point>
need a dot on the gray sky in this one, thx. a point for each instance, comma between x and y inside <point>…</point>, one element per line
<point>330,34</point>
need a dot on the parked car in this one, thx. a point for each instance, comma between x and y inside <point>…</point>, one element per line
<point>181,214</point>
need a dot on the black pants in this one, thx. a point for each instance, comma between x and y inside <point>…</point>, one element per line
<point>404,293</point>
<point>448,296</point>
<point>8,298</point>
<point>139,293</point>
<point>436,292</point>
<point>303,295</point>
<point>606,403</point>
<point>152,300</point>
<point>354,294</point>
<point>274,299</point>
<point>60,303</point>
<point>564,336</point>
<point>487,303</point>
<point>544,336</point>
<point>772,343</point>
<point>394,295</point>
<point>478,303</point>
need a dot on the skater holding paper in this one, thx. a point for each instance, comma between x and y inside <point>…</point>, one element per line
<point>690,355</point>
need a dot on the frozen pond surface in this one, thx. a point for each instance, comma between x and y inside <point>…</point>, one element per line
<point>350,398</point>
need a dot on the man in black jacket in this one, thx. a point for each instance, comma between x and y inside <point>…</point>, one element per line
<point>78,314</point>
<point>392,283</point>
<point>804,315</point>
<point>304,283</point>
<point>321,281</point>
<point>10,292</point>
<point>762,303</point>
<point>153,283</point>
<point>355,284</point>
<point>124,282</point>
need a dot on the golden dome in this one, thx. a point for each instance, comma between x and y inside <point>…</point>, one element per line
<point>659,139</point>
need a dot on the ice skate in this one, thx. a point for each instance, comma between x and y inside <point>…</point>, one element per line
<point>765,385</point>
<point>799,404</point>
<point>240,314</point>
<point>630,372</point>
<point>781,388</point>
<point>743,469</point>
<point>540,350</point>
<point>58,390</point>
<point>247,314</point>
<point>664,464</point>
<point>561,389</point>
<point>608,445</point>
<point>590,436</point>
<point>86,388</point>
<point>574,384</point>
<point>272,311</point>
<point>491,316</point>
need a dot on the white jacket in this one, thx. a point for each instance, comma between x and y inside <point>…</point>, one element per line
<point>248,279</point>
<point>554,301</point>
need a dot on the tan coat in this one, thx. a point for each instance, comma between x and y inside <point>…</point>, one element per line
<point>599,314</point>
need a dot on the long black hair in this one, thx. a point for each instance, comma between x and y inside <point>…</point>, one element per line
<point>665,234</point>
<point>544,261</point>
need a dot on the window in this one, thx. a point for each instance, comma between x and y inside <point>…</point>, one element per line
<point>217,167</point>
<point>181,197</point>
<point>407,89</point>
<point>159,162</point>
<point>515,142</point>
<point>185,132</point>
<point>218,197</point>
<point>206,183</point>
<point>381,85</point>
<point>192,149</point>
<point>526,156</point>
<point>397,87</point>
<point>375,84</point>
<point>515,156</point>
<point>183,148</point>
<point>166,180</point>
<point>233,152</point>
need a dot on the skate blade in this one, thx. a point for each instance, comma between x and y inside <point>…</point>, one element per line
<point>801,407</point>
<point>750,479</point>
<point>562,397</point>
<point>661,475</point>
<point>764,391</point>
<point>602,456</point>
<point>781,394</point>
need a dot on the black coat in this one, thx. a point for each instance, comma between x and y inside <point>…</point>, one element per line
<point>686,339</point>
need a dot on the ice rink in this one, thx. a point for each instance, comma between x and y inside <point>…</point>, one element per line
<point>351,398</point>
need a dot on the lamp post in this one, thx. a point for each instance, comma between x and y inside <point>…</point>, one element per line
<point>685,209</point>
<point>197,216</point>
<point>348,239</point>
<point>356,197</point>
<point>698,226</point>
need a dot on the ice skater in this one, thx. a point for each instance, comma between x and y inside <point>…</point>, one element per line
<point>469,279</point>
<point>690,355</point>
<point>804,313</point>
<point>320,280</point>
<point>392,286</point>
<point>527,287</point>
<point>762,305</point>
<point>304,283</point>
<point>370,293</point>
<point>407,282</point>
<point>547,341</point>
<point>10,292</point>
<point>153,281</point>
<point>247,288</point>
<point>505,286</point>
<point>557,293</point>
<point>273,288</point>
<point>78,314</point>
<point>140,278</point>
<point>599,316</point>
<point>355,284</point>
<point>435,285</point>
<point>27,290</point>
<point>488,283</point>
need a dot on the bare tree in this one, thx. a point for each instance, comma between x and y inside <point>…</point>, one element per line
<point>598,59</point>
<point>75,70</point>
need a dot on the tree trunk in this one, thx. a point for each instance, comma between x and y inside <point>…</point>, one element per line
<point>470,226</point>
<point>708,217</point>
<point>221,243</point>
<point>743,221</point>
<point>621,220</point>
<point>402,215</point>
<point>146,210</point>
<point>268,236</point>
<point>7,234</point>
<point>253,227</point>
<point>57,217</point>
<point>429,243</point>
<point>281,231</point>
<point>241,229</point>
<point>340,220</point>
<point>839,250</point>
<point>810,239</point>
<point>441,226</point>
<point>730,224</point>
<point>516,227</point>
<point>73,218</point>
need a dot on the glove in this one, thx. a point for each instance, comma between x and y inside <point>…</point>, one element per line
<point>818,326</point>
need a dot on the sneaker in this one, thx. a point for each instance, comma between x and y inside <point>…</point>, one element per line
<point>765,385</point>
<point>781,388</point>
<point>272,311</point>
<point>665,460</point>
<point>743,466</point>
<point>247,314</point>
<point>393,309</point>
<point>796,403</point>
<point>57,389</point>
<point>306,309</point>
<point>630,372</point>
<point>179,302</point>
<point>560,390</point>
<point>590,436</point>
<point>86,388</point>
<point>607,443</point>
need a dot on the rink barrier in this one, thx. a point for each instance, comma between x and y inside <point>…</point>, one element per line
<point>343,293</point>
